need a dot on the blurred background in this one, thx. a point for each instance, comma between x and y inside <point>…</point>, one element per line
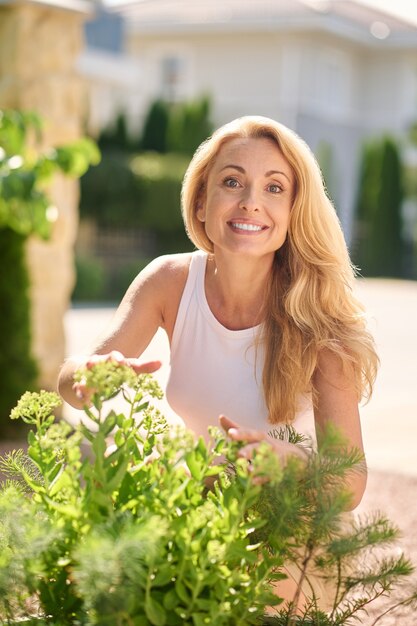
<point>148,80</point>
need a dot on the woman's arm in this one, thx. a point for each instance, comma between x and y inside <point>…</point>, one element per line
<point>337,404</point>
<point>151,301</point>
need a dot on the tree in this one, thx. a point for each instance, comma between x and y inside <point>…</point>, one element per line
<point>189,125</point>
<point>154,136</point>
<point>379,245</point>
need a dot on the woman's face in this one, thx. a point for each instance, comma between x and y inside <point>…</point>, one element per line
<point>248,197</point>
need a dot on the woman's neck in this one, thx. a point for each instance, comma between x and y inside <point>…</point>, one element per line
<point>235,289</point>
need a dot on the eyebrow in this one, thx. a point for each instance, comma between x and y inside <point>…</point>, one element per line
<point>241,169</point>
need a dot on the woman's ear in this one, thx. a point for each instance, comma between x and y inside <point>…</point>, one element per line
<point>200,211</point>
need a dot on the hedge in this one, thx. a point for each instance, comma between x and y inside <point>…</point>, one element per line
<point>379,244</point>
<point>140,191</point>
<point>17,366</point>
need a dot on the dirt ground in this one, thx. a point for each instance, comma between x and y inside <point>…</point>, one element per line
<point>396,496</point>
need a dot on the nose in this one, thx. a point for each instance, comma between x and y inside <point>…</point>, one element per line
<point>249,200</point>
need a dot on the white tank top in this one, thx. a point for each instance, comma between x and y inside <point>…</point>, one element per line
<point>215,370</point>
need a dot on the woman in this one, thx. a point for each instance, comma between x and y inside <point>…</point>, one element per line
<point>261,320</point>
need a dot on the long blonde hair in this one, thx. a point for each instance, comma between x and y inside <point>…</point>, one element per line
<point>309,304</point>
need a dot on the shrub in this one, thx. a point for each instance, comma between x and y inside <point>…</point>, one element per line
<point>154,134</point>
<point>104,282</point>
<point>116,136</point>
<point>17,367</point>
<point>142,192</point>
<point>189,125</point>
<point>159,179</point>
<point>135,535</point>
<point>379,245</point>
<point>24,210</point>
<point>179,127</point>
<point>109,193</point>
<point>90,282</point>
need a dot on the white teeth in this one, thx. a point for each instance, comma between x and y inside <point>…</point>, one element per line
<point>242,226</point>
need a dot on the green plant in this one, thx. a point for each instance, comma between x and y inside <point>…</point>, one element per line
<point>189,125</point>
<point>90,281</point>
<point>17,367</point>
<point>116,136</point>
<point>109,194</point>
<point>159,180</point>
<point>379,247</point>
<point>136,536</point>
<point>140,192</point>
<point>154,134</point>
<point>104,282</point>
<point>25,209</point>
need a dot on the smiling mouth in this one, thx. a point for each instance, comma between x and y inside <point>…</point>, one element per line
<point>253,228</point>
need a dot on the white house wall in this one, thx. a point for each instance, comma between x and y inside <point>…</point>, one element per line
<point>114,87</point>
<point>389,98</point>
<point>241,72</point>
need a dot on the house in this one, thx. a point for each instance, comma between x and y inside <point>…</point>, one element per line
<point>335,71</point>
<point>113,79</point>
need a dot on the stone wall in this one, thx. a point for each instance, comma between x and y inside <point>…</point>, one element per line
<point>39,45</point>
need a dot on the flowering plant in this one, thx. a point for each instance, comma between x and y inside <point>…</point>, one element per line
<point>136,536</point>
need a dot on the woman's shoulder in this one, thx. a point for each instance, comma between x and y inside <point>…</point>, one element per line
<point>163,279</point>
<point>169,268</point>
<point>168,275</point>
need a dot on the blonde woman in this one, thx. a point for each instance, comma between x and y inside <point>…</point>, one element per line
<point>262,322</point>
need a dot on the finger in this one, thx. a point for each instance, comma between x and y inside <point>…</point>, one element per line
<point>144,368</point>
<point>241,434</point>
<point>93,360</point>
<point>227,423</point>
<point>82,391</point>
<point>116,356</point>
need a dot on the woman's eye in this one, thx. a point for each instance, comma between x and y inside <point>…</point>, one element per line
<point>274,188</point>
<point>231,182</point>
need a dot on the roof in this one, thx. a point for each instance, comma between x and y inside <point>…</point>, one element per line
<point>346,18</point>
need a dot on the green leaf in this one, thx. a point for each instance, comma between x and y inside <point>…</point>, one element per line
<point>100,499</point>
<point>194,465</point>
<point>109,423</point>
<point>66,510</point>
<point>99,445</point>
<point>182,592</point>
<point>31,438</point>
<point>87,434</point>
<point>171,600</point>
<point>139,620</point>
<point>164,575</point>
<point>200,619</point>
<point>62,481</point>
<point>155,611</point>
<point>75,158</point>
<point>118,476</point>
<point>149,444</point>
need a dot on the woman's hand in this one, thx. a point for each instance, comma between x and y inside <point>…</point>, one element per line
<point>283,449</point>
<point>84,393</point>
